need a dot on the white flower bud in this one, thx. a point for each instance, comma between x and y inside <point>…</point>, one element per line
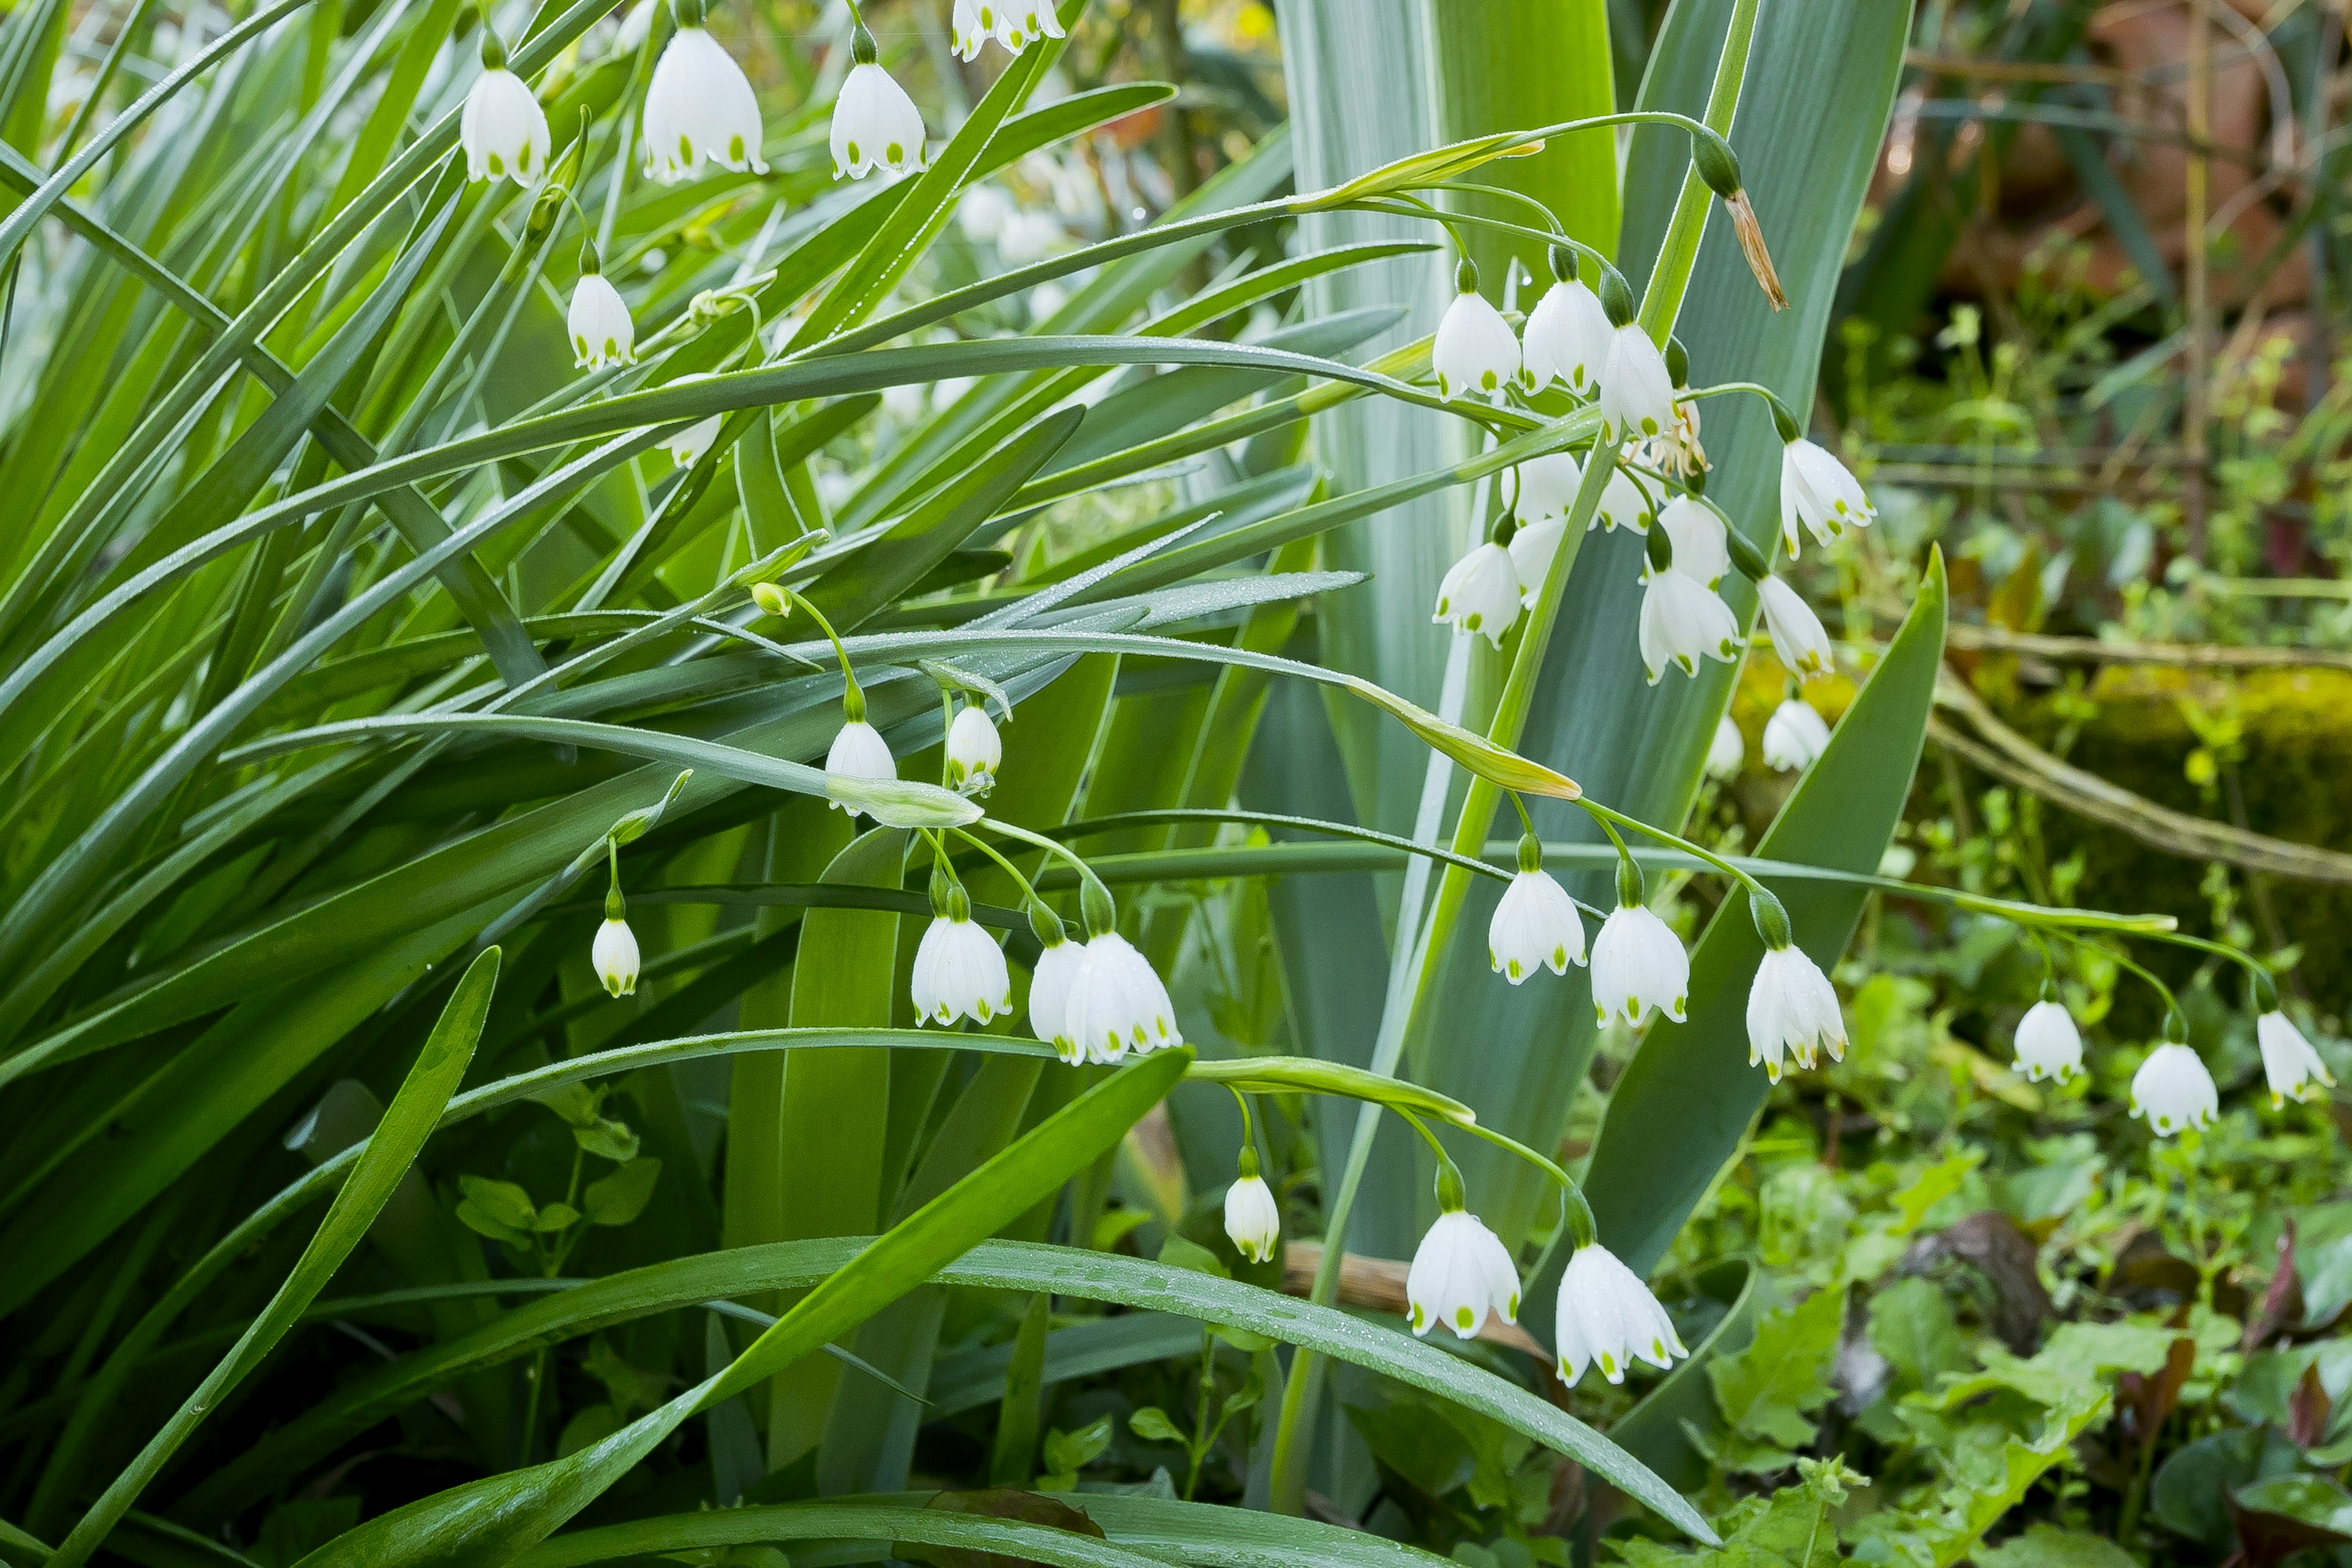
<point>1253,1218</point>
<point>859,751</point>
<point>614,956</point>
<point>975,751</point>
<point>601,332</point>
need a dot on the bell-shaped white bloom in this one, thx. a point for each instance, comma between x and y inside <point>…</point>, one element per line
<point>975,751</point>
<point>1682,622</point>
<point>859,751</point>
<point>1699,538</point>
<point>1637,395</point>
<point>1534,924</point>
<point>1461,1272</point>
<point>874,126</point>
<point>1793,1009</point>
<point>1623,505</point>
<point>614,956</point>
<point>1548,486</point>
<point>1566,337</point>
<point>1049,998</point>
<point>601,332</point>
<point>2173,1090</point>
<point>1798,635</point>
<point>1638,963</point>
<point>1021,23</point>
<point>1793,736</point>
<point>1481,593</point>
<point>1817,491</point>
<point>699,105</point>
<point>2048,1045</point>
<point>1475,354</point>
<point>971,24</point>
<point>1117,1002</point>
<point>685,446</point>
<point>636,27</point>
<point>503,130</point>
<point>1727,753</point>
<point>959,974</point>
<point>1252,1219</point>
<point>1607,1319</point>
<point>2293,1068</point>
<point>1532,549</point>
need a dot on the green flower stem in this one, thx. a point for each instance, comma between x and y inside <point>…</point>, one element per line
<point>2172,1012</point>
<point>1028,893</point>
<point>1662,302</point>
<point>1307,1075</point>
<point>853,699</point>
<point>1610,819</point>
<point>1093,897</point>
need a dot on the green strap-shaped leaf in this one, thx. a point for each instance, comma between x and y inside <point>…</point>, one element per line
<point>386,1157</point>
<point>1688,1096</point>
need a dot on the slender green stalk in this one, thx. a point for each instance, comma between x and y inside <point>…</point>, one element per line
<point>1663,300</point>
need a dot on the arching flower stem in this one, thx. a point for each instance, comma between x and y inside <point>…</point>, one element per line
<point>852,697</point>
<point>1094,903</point>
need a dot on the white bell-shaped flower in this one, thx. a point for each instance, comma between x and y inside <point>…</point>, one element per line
<point>1021,23</point>
<point>1117,1002</point>
<point>1675,451</point>
<point>1793,736</point>
<point>972,24</point>
<point>2173,1090</point>
<point>1637,395</point>
<point>1607,1319</point>
<point>1253,1218</point>
<point>699,105</point>
<point>2048,1044</point>
<point>1548,486</point>
<point>1682,622</point>
<point>1049,998</point>
<point>1727,753</point>
<point>975,751</point>
<point>1697,529</point>
<point>2290,1064</point>
<point>1638,964</point>
<point>601,332</point>
<point>1534,924</point>
<point>502,128</point>
<point>1817,491</point>
<point>636,27</point>
<point>859,751</point>
<point>685,446</point>
<point>1792,1010</point>
<point>1480,593</point>
<point>959,973</point>
<point>1460,1272</point>
<point>1532,549</point>
<point>614,956</point>
<point>1798,635</point>
<point>1623,504</point>
<point>1566,338</point>
<point>1475,354</point>
<point>875,125</point>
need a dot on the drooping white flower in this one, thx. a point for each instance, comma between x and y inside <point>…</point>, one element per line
<point>875,125</point>
<point>1793,736</point>
<point>971,24</point>
<point>1607,1319</point>
<point>1637,395</point>
<point>2290,1064</point>
<point>1480,593</point>
<point>502,128</point>
<point>1548,486</point>
<point>1566,337</point>
<point>1638,964</point>
<point>2173,1090</point>
<point>1682,622</point>
<point>859,751</point>
<point>975,751</point>
<point>1049,998</point>
<point>699,105</point>
<point>601,332</point>
<point>1536,923</point>
<point>1798,635</point>
<point>1021,23</point>
<point>614,956</point>
<point>1817,491</point>
<point>1792,1008</point>
<point>1461,1271</point>
<point>1727,753</point>
<point>1698,535</point>
<point>1532,547</point>
<point>636,27</point>
<point>1476,352</point>
<point>1253,1218</point>
<point>1117,1002</point>
<point>959,973</point>
<point>2048,1045</point>
<point>687,445</point>
<point>1623,505</point>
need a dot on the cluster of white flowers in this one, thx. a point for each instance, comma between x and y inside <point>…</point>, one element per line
<point>2173,1090</point>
